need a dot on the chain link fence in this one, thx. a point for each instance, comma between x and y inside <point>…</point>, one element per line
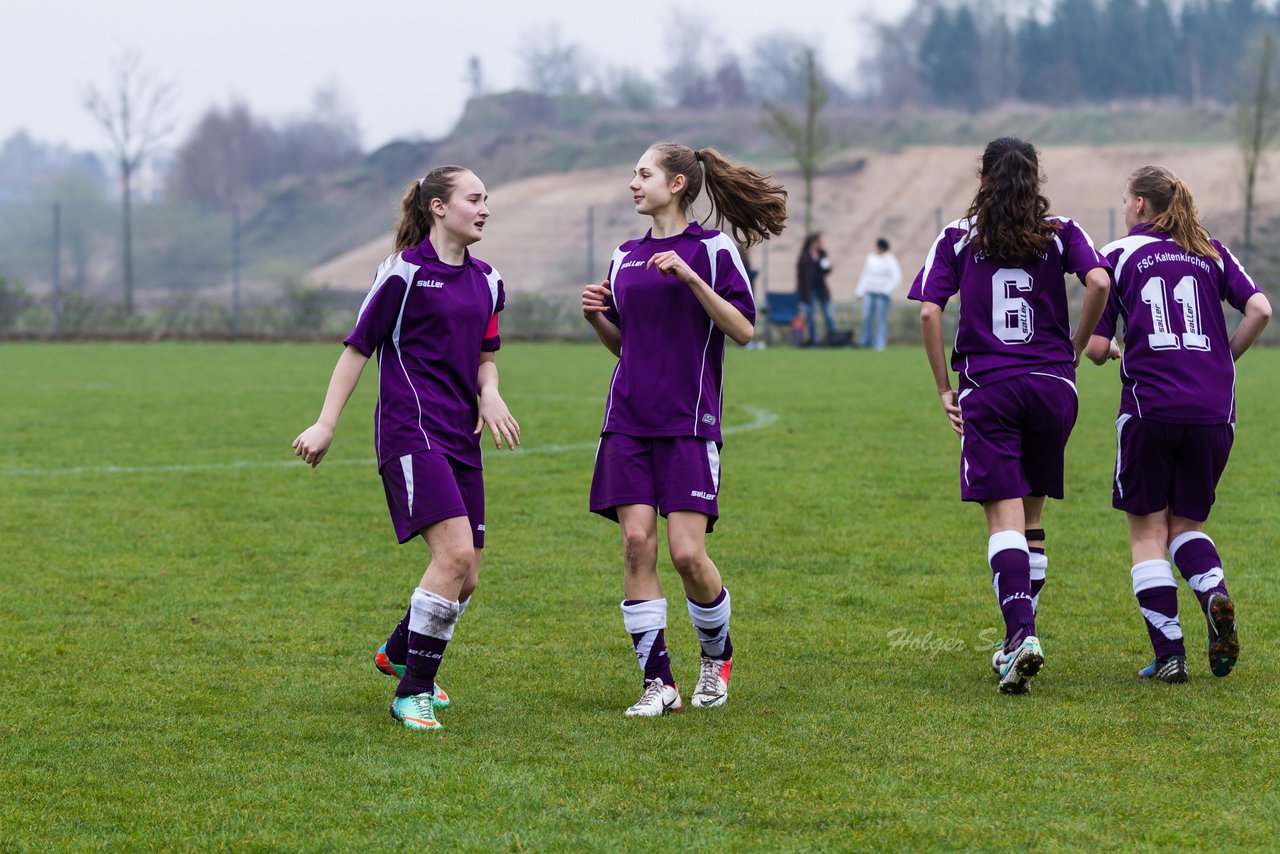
<point>290,273</point>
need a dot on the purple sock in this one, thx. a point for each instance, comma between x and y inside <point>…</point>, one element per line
<point>1157,594</point>
<point>1011,578</point>
<point>1197,559</point>
<point>431,621</point>
<point>398,643</point>
<point>711,622</point>
<point>1039,565</point>
<point>420,669</point>
<point>646,622</point>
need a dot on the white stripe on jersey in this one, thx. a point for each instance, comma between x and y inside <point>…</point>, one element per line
<point>395,342</point>
<point>1056,377</point>
<point>1079,228</point>
<point>702,369</point>
<point>1127,246</point>
<point>1243,271</point>
<point>933,254</point>
<point>717,243</point>
<point>493,277</point>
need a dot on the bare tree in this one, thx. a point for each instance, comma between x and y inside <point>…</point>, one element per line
<point>1257,121</point>
<point>552,66</point>
<point>135,110</point>
<point>475,80</point>
<point>805,138</point>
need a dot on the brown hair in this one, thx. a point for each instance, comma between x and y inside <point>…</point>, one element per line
<point>1173,209</point>
<point>1008,215</point>
<point>415,217</point>
<point>754,205</point>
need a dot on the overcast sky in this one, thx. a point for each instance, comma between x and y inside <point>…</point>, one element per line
<point>400,65</point>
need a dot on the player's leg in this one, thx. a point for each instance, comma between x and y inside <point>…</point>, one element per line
<point>1157,595</point>
<point>688,493</point>
<point>1202,458</point>
<point>1032,508</point>
<point>644,611</point>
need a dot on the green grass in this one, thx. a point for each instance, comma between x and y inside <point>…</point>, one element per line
<point>187,636</point>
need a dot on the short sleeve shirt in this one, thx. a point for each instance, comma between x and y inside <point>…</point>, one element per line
<point>428,323</point>
<point>1177,364</point>
<point>670,376</point>
<point>1013,319</point>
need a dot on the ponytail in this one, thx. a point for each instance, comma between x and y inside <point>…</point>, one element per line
<point>415,207</point>
<point>754,205</point>
<point>1173,209</point>
<point>1008,217</point>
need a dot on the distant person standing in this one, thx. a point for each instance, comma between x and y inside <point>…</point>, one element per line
<point>673,297</point>
<point>880,277</point>
<point>1177,406</point>
<point>431,319</point>
<point>812,268</point>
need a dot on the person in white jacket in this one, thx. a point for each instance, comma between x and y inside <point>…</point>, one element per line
<point>880,277</point>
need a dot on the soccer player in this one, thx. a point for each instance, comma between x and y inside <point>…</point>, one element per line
<point>1177,406</point>
<point>1015,354</point>
<point>432,319</point>
<point>671,299</point>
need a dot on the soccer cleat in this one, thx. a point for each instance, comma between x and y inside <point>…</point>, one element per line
<point>1020,666</point>
<point>1224,646</point>
<point>656,701</point>
<point>713,683</point>
<point>1171,669</point>
<point>390,668</point>
<point>416,712</point>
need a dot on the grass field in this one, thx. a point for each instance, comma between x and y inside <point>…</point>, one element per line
<point>187,619</point>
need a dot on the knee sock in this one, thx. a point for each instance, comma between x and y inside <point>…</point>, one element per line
<point>711,621</point>
<point>1157,594</point>
<point>646,622</point>
<point>1197,559</point>
<point>1039,565</point>
<point>398,643</point>
<point>431,622</point>
<point>1011,578</point>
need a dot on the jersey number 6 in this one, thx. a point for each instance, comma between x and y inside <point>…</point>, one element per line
<point>1012,319</point>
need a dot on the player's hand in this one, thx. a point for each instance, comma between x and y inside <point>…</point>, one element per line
<point>671,264</point>
<point>596,298</point>
<point>952,408</point>
<point>494,412</point>
<point>1113,352</point>
<point>313,443</point>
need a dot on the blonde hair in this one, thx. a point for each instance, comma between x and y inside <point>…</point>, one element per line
<point>415,207</point>
<point>1173,208</point>
<point>754,205</point>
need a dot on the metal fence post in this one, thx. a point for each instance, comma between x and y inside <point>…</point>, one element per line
<point>57,269</point>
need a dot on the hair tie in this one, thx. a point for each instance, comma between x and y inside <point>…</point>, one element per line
<point>697,155</point>
<point>422,182</point>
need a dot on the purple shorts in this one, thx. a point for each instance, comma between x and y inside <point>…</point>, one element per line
<point>429,487</point>
<point>1161,465</point>
<point>1015,437</point>
<point>668,473</point>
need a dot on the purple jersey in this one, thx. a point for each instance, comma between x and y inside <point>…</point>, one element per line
<point>428,321</point>
<point>1013,320</point>
<point>669,379</point>
<point>1177,364</point>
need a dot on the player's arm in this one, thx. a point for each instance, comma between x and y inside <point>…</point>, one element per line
<point>724,314</point>
<point>313,443</point>
<point>596,301</point>
<point>1100,349</point>
<point>931,330</point>
<point>493,409</point>
<point>1257,313</point>
<point>1097,285</point>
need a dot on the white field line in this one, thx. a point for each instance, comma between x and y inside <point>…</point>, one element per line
<point>760,419</point>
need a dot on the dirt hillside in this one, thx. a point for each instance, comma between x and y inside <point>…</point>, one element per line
<point>538,234</point>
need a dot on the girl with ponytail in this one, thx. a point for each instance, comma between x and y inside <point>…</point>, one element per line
<point>1015,354</point>
<point>670,300</point>
<point>431,318</point>
<point>1177,406</point>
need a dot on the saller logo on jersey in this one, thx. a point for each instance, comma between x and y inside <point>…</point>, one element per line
<point>631,264</point>
<point>429,283</point>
